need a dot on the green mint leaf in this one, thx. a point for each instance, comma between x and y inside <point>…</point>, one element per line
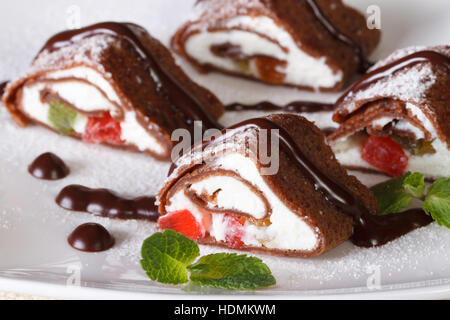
<point>414,184</point>
<point>165,256</point>
<point>61,117</point>
<point>231,272</point>
<point>392,196</point>
<point>437,202</point>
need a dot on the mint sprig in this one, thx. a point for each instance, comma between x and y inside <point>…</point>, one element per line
<point>232,272</point>
<point>396,194</point>
<point>168,258</point>
<point>165,257</point>
<point>437,202</point>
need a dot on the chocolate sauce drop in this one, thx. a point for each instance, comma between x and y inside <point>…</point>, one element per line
<point>91,237</point>
<point>369,230</point>
<point>104,203</point>
<point>180,99</point>
<point>295,107</point>
<point>48,166</point>
<point>364,63</point>
<point>392,68</point>
<point>3,87</point>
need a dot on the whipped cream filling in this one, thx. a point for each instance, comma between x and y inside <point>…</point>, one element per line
<point>301,69</point>
<point>86,98</point>
<point>286,230</point>
<point>89,75</point>
<point>231,194</point>
<point>348,149</point>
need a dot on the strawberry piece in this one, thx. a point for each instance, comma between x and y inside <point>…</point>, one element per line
<point>234,231</point>
<point>183,222</point>
<point>386,155</point>
<point>103,130</point>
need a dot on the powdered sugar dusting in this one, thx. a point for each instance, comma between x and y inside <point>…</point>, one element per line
<point>87,51</point>
<point>409,85</point>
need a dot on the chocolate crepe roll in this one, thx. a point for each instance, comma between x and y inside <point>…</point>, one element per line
<point>220,194</point>
<point>310,44</point>
<point>111,83</point>
<point>397,117</point>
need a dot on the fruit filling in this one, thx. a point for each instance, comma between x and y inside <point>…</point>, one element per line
<point>61,118</point>
<point>103,130</point>
<point>386,155</point>
<point>189,225</point>
<point>185,223</point>
<point>234,231</point>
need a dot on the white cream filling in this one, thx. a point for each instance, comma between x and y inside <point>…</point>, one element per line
<point>231,194</point>
<point>301,68</point>
<point>287,231</point>
<point>348,150</point>
<point>82,95</point>
<point>132,132</point>
<point>89,75</point>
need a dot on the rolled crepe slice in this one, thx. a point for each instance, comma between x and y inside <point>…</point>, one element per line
<point>303,43</point>
<point>111,83</point>
<point>396,118</point>
<point>220,194</point>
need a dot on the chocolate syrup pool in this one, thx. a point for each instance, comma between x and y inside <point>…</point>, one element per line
<point>369,230</point>
<point>48,166</point>
<point>104,203</point>
<point>91,237</point>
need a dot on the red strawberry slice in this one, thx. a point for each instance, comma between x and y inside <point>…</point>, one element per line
<point>183,222</point>
<point>234,231</point>
<point>386,155</point>
<point>103,130</point>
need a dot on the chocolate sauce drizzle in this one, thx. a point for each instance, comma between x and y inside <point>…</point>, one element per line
<point>3,87</point>
<point>91,237</point>
<point>181,100</point>
<point>295,107</point>
<point>48,166</point>
<point>364,63</point>
<point>104,203</point>
<point>369,230</point>
<point>392,68</point>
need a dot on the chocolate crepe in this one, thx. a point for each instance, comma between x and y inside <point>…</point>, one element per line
<point>111,83</point>
<point>221,194</point>
<point>405,97</point>
<point>303,43</point>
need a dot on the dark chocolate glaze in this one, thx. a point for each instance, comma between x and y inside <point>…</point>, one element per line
<point>3,87</point>
<point>295,107</point>
<point>394,67</point>
<point>369,230</point>
<point>181,100</point>
<point>91,237</point>
<point>104,203</point>
<point>364,63</point>
<point>48,166</point>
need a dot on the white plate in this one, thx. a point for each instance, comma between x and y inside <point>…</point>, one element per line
<point>34,255</point>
